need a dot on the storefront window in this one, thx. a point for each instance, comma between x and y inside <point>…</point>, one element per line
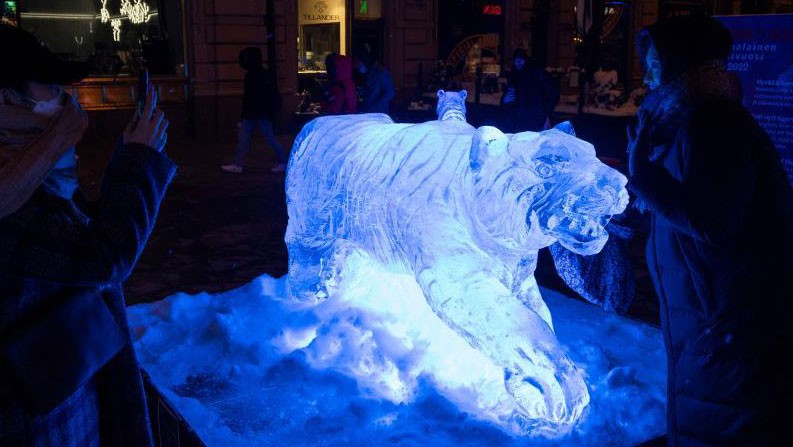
<point>118,37</point>
<point>322,31</point>
<point>10,13</point>
<point>471,35</point>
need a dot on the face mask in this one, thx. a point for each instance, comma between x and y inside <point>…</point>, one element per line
<point>50,107</point>
<point>62,181</point>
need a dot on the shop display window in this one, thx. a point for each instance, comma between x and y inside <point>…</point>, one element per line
<point>322,30</point>
<point>117,37</point>
<point>316,42</point>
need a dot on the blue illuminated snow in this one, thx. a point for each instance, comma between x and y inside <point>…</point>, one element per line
<point>219,360</point>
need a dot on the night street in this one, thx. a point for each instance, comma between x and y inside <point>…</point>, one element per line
<point>218,230</point>
<point>369,223</point>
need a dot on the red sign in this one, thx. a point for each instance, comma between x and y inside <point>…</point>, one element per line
<point>491,10</point>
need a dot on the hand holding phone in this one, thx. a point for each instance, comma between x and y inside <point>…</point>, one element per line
<point>149,126</point>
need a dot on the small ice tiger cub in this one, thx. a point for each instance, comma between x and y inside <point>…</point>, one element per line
<point>451,105</point>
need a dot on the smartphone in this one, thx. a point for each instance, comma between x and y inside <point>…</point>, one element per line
<point>143,87</point>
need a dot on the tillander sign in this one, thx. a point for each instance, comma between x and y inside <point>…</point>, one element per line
<point>321,13</point>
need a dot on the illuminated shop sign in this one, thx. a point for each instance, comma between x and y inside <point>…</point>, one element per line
<point>491,10</point>
<point>321,11</point>
<point>321,18</point>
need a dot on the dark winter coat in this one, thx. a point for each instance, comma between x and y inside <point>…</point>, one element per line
<point>378,91</point>
<point>51,252</point>
<point>720,254</point>
<point>260,97</point>
<point>536,95</point>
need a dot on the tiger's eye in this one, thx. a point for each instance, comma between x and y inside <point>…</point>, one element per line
<point>544,170</point>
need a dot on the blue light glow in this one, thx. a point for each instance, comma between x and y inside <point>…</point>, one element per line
<point>224,363</point>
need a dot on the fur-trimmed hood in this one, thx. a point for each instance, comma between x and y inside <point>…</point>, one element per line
<point>668,106</point>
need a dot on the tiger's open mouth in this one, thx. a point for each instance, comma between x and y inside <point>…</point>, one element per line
<point>580,233</point>
<point>582,227</point>
<point>579,221</point>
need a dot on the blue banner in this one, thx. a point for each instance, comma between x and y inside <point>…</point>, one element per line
<point>762,56</point>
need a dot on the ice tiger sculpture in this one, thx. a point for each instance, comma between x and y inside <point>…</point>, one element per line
<point>462,212</point>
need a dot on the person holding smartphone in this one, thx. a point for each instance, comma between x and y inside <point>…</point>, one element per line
<point>68,372</point>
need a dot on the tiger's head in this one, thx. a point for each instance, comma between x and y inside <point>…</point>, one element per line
<point>535,188</point>
<point>451,105</point>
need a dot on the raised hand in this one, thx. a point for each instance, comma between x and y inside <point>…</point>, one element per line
<point>638,145</point>
<point>150,127</point>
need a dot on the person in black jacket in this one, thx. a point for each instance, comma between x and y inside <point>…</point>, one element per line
<point>68,371</point>
<point>260,105</point>
<point>530,97</point>
<point>720,251</point>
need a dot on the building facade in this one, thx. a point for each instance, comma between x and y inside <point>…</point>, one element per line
<point>295,36</point>
<point>411,38</point>
<point>191,47</point>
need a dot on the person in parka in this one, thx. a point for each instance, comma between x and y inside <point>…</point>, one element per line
<point>531,95</point>
<point>378,87</point>
<point>720,250</point>
<point>340,95</point>
<point>68,372</point>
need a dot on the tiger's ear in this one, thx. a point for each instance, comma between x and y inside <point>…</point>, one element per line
<point>463,94</point>
<point>566,127</point>
<point>440,94</point>
<point>488,142</point>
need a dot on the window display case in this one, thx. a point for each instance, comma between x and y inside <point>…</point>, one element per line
<point>117,38</point>
<point>316,42</point>
<point>322,29</point>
